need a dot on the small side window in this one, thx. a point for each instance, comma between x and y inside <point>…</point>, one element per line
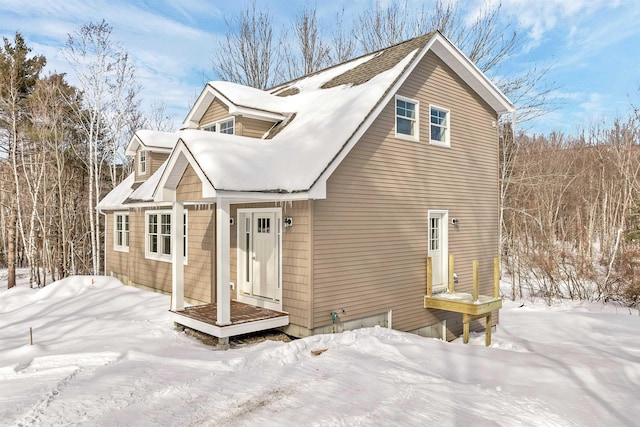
<point>121,232</point>
<point>142,163</point>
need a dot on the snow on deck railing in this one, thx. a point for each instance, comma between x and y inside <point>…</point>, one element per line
<point>451,282</point>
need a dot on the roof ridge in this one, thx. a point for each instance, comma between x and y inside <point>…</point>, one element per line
<point>286,85</point>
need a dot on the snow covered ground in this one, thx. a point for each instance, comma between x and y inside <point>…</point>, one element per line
<point>107,354</point>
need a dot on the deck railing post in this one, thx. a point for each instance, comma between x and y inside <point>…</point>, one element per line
<point>475,280</point>
<point>177,257</point>
<point>496,277</point>
<point>451,271</point>
<point>429,272</point>
<point>223,293</point>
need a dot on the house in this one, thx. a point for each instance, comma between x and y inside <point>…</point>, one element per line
<point>313,206</point>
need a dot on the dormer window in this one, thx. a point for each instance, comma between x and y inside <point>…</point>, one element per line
<point>142,163</point>
<point>227,127</point>
<point>223,126</point>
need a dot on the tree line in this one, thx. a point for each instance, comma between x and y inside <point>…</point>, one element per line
<point>61,150</point>
<point>572,214</point>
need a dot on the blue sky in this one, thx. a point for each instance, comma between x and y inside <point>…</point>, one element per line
<point>592,47</point>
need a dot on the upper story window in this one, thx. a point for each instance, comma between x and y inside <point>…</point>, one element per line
<point>142,162</point>
<point>227,126</point>
<point>121,232</point>
<point>439,124</point>
<point>222,126</point>
<point>407,114</point>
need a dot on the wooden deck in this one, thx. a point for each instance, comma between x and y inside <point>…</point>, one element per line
<point>245,318</point>
<point>472,306</point>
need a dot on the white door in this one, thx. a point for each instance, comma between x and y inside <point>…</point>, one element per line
<point>437,246</point>
<point>265,251</point>
<point>259,253</point>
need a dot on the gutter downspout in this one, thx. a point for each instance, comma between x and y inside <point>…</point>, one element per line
<point>105,239</point>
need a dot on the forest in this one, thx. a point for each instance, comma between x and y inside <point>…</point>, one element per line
<point>570,204</point>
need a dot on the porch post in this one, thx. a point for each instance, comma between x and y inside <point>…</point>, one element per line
<point>177,257</point>
<point>223,275</point>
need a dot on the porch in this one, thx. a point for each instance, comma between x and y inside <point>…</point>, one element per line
<point>472,306</point>
<point>244,318</point>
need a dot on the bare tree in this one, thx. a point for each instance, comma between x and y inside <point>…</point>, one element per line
<point>382,26</point>
<point>342,44</point>
<point>312,53</point>
<point>106,80</point>
<point>247,55</point>
<point>18,75</point>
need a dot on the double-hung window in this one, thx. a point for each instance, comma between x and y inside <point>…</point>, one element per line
<point>142,162</point>
<point>121,230</point>
<point>158,235</point>
<point>222,126</point>
<point>407,114</point>
<point>439,124</point>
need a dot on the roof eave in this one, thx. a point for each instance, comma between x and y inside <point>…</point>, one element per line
<point>471,74</point>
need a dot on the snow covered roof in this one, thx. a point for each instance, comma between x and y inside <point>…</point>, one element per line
<point>294,158</point>
<point>152,139</point>
<point>116,197</point>
<point>320,118</point>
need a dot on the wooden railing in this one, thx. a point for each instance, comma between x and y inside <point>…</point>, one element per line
<point>472,306</point>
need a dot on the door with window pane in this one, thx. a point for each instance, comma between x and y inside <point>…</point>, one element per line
<point>259,254</point>
<point>437,247</point>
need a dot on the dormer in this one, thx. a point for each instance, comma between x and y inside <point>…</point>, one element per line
<point>151,149</point>
<point>230,108</point>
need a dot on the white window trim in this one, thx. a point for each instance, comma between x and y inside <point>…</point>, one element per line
<point>444,249</point>
<point>142,171</point>
<point>217,124</point>
<point>160,256</point>
<point>241,256</point>
<point>116,247</point>
<point>416,136</point>
<point>447,133</point>
<point>185,236</point>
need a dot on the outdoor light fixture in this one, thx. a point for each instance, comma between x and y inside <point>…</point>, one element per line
<point>288,222</point>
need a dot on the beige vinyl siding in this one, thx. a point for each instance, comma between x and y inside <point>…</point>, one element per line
<point>157,159</point>
<point>190,187</point>
<point>252,128</point>
<point>244,126</point>
<point>198,273</point>
<point>156,274</point>
<point>133,268</point>
<point>370,234</point>
<point>296,250</point>
<point>154,161</point>
<point>116,260</point>
<point>216,111</point>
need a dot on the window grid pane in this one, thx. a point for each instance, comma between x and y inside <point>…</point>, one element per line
<point>153,233</point>
<point>439,124</point>
<point>247,247</point>
<point>405,117</point>
<point>143,161</point>
<point>434,238</point>
<point>226,127</point>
